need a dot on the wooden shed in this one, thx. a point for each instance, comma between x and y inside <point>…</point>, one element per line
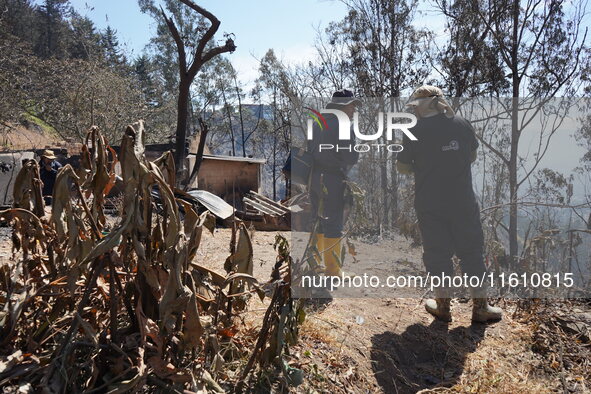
<point>229,177</point>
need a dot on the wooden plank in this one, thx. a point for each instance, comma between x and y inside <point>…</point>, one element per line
<point>269,201</point>
<point>262,206</point>
<point>216,278</point>
<point>271,207</point>
<point>265,208</point>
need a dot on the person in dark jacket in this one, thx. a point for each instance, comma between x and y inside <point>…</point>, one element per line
<point>329,173</point>
<point>446,207</point>
<point>48,169</point>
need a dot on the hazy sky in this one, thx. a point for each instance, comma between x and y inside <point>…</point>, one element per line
<point>563,153</point>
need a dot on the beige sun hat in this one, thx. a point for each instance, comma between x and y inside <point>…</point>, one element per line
<point>428,100</point>
<point>48,154</point>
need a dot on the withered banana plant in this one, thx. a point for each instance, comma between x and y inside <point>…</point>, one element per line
<point>26,192</point>
<point>97,303</point>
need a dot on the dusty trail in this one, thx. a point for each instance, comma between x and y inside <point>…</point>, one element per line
<point>392,345</point>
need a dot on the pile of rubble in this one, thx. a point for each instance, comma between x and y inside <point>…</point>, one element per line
<point>264,213</point>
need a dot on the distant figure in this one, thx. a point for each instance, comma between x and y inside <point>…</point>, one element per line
<point>327,188</point>
<point>446,207</point>
<point>48,169</point>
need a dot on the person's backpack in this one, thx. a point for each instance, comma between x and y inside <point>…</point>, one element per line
<point>298,166</point>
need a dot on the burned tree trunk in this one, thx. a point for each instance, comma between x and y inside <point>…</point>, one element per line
<point>200,150</point>
<point>180,148</point>
<point>187,72</point>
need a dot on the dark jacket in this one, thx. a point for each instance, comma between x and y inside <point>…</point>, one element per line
<point>48,176</point>
<point>441,159</point>
<point>331,161</point>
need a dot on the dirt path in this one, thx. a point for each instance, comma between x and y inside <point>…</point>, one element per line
<point>392,345</point>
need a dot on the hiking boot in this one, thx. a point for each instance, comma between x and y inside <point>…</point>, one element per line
<point>482,311</point>
<point>440,307</point>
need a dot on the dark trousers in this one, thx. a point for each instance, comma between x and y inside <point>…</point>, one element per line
<point>330,189</point>
<point>455,231</point>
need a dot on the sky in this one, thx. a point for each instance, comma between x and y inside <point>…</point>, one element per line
<point>288,26</point>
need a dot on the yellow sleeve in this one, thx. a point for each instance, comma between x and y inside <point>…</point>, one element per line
<point>404,168</point>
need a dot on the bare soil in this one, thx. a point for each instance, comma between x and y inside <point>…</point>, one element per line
<point>391,345</point>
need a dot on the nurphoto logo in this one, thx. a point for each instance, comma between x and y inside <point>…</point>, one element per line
<point>386,123</point>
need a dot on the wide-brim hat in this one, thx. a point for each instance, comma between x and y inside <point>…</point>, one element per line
<point>48,154</point>
<point>424,92</point>
<point>427,99</point>
<point>344,97</point>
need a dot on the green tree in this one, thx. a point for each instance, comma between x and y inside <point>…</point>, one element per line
<point>214,100</point>
<point>73,95</point>
<point>14,56</point>
<point>143,70</point>
<point>273,90</point>
<point>86,42</point>
<point>18,18</point>
<point>52,28</point>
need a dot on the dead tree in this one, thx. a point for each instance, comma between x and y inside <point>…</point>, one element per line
<point>187,72</point>
<point>199,156</point>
